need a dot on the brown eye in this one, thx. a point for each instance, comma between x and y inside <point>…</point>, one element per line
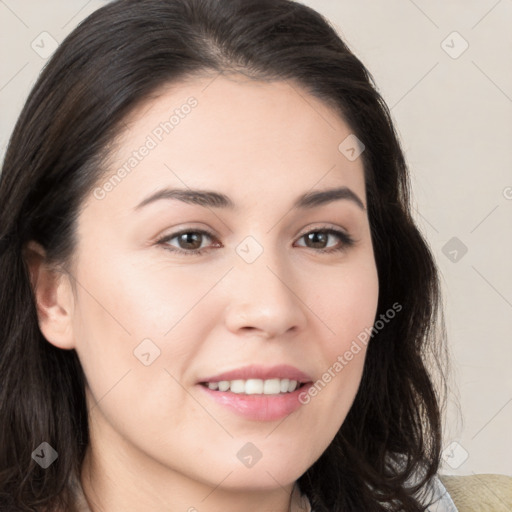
<point>319,238</point>
<point>188,242</point>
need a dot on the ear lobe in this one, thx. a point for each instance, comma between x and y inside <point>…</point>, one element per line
<point>54,297</point>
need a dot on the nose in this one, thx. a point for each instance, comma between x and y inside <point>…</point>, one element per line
<point>265,298</point>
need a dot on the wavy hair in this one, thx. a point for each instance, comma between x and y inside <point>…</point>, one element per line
<point>117,58</point>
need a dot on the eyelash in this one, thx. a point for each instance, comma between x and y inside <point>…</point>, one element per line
<point>346,239</point>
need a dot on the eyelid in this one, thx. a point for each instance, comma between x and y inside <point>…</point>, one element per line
<point>323,227</point>
<point>175,234</point>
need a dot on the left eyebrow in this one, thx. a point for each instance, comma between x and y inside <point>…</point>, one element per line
<point>318,198</point>
<point>211,199</point>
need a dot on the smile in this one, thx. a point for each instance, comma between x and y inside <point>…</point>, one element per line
<point>255,386</point>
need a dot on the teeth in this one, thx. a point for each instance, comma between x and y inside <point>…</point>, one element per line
<point>223,385</point>
<point>255,386</point>
<point>271,387</point>
<point>237,386</point>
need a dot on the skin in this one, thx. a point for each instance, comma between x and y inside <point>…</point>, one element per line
<point>157,441</point>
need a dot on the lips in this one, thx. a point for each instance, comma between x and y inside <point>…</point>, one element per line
<point>260,372</point>
<point>258,392</point>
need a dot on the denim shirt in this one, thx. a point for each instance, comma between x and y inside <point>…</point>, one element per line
<point>443,501</point>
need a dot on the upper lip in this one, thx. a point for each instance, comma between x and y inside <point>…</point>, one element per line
<point>282,371</point>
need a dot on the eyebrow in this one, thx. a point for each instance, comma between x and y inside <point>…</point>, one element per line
<point>211,199</point>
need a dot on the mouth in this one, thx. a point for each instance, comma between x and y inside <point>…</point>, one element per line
<point>269,387</point>
<point>258,393</point>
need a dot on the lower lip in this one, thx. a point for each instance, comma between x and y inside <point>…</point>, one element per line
<point>259,407</point>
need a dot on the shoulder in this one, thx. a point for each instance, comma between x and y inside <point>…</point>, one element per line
<point>438,498</point>
<point>433,495</point>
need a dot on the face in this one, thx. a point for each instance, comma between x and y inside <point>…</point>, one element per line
<point>253,289</point>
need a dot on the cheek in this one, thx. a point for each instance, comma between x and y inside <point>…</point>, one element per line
<point>130,301</point>
<point>346,304</point>
<point>137,332</point>
<point>346,301</point>
<point>133,370</point>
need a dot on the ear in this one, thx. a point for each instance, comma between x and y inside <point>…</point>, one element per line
<point>54,297</point>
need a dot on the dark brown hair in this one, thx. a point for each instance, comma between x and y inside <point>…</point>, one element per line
<point>114,60</point>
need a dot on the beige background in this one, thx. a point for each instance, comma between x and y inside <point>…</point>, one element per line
<point>452,107</point>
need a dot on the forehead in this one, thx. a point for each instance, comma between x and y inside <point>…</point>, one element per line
<point>232,133</point>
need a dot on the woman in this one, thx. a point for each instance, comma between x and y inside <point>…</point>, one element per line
<point>214,295</point>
